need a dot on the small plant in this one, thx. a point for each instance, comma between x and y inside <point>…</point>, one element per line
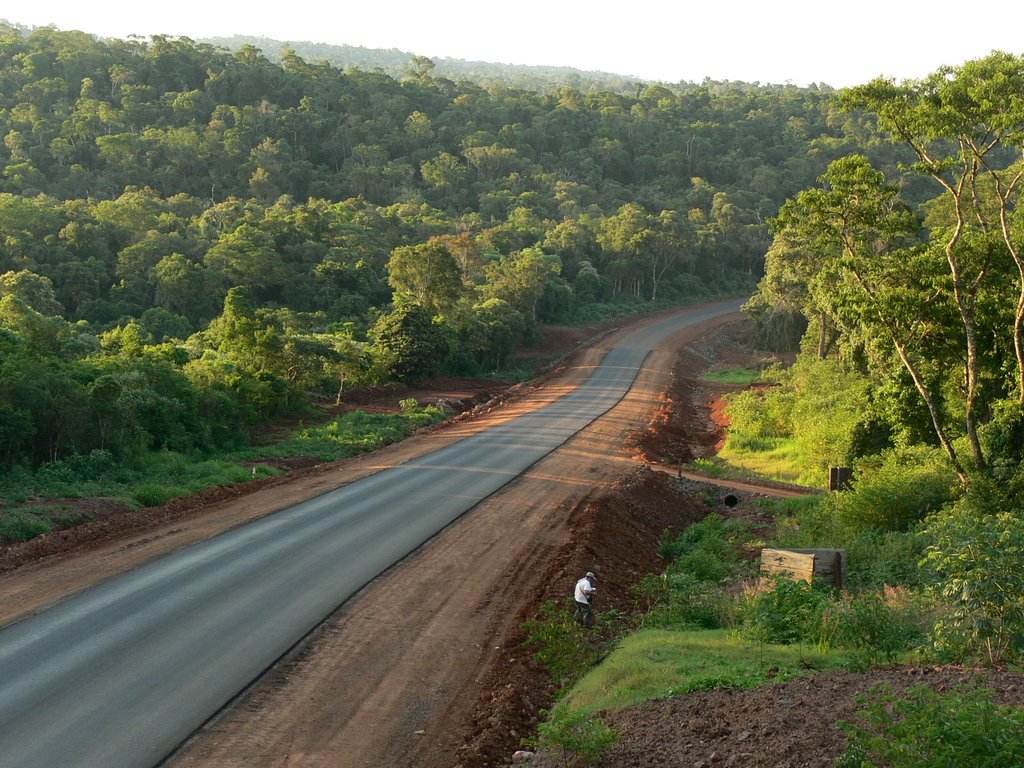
<point>564,647</point>
<point>962,728</point>
<point>575,733</point>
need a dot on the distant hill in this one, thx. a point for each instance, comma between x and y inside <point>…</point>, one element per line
<point>398,64</point>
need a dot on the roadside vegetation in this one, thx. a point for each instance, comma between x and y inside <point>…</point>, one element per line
<point>908,332</point>
<point>155,478</point>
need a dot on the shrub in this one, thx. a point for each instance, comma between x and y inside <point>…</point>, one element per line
<point>23,527</point>
<point>151,495</point>
<point>575,733</point>
<point>565,648</point>
<point>895,491</point>
<point>979,561</point>
<point>876,629</point>
<point>962,728</point>
<point>875,559</point>
<point>704,549</point>
<point>759,414</point>
<point>787,612</point>
<point>681,601</point>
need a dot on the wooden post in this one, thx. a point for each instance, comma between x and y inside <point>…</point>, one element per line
<point>839,478</point>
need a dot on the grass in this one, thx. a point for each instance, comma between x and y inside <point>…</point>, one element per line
<point>656,664</point>
<point>741,377</point>
<point>772,458</point>
<point>348,435</point>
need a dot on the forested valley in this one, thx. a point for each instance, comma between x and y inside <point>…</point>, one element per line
<point>195,240</point>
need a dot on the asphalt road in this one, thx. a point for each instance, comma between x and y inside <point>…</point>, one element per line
<point>119,675</point>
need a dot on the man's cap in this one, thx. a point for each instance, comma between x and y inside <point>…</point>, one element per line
<point>590,575</point>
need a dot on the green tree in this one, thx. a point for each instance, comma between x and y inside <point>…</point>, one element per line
<point>35,290</point>
<point>428,272</point>
<point>628,239</point>
<point>958,122</point>
<point>408,344</point>
<point>858,219</point>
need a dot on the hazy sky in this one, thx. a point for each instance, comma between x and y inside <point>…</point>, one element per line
<point>802,41</point>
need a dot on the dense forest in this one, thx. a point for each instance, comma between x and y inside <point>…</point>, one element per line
<point>398,64</point>
<point>194,240</point>
<point>915,310</point>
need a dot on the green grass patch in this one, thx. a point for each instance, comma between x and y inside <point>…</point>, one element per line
<point>774,458</point>
<point>741,377</point>
<point>348,435</point>
<point>657,664</point>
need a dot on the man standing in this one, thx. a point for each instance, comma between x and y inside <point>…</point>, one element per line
<point>585,590</point>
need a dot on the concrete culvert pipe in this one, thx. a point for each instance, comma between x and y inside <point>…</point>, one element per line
<point>730,500</point>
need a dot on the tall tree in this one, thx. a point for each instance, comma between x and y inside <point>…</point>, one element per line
<point>859,219</point>
<point>965,125</point>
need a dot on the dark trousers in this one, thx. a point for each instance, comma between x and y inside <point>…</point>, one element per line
<point>584,614</point>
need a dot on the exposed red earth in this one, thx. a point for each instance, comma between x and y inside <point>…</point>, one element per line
<point>426,665</point>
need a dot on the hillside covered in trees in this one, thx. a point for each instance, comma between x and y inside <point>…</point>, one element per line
<point>398,64</point>
<point>193,240</point>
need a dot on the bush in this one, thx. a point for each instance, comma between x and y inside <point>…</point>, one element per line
<point>978,559</point>
<point>896,490</point>
<point>565,648</point>
<point>23,527</point>
<point>704,549</point>
<point>151,495</point>
<point>576,733</point>
<point>681,601</point>
<point>689,595</point>
<point>877,628</point>
<point>787,612</point>
<point>876,559</point>
<point>758,414</point>
<point>962,728</point>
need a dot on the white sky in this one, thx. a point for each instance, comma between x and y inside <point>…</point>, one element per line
<point>800,41</point>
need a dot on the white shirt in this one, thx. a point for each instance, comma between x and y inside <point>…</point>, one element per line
<point>584,589</point>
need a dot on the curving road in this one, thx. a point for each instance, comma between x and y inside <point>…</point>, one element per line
<point>121,674</point>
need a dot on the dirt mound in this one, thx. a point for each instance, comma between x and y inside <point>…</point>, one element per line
<point>791,724</point>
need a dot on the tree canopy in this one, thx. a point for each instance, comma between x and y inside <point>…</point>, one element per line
<point>176,217</point>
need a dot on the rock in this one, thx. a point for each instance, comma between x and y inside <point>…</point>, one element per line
<point>521,756</point>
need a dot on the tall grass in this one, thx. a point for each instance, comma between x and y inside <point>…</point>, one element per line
<point>773,458</point>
